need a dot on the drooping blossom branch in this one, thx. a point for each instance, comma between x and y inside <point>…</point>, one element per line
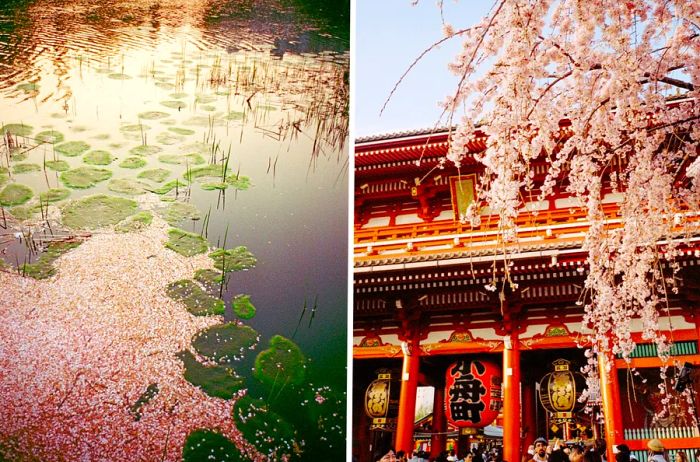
<point>587,88</point>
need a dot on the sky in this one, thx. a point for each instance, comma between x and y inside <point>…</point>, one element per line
<point>390,35</point>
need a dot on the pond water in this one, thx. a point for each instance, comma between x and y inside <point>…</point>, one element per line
<point>153,92</point>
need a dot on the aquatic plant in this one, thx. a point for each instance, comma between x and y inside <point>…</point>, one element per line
<point>94,212</point>
<point>50,136</point>
<point>145,150</point>
<point>128,186</point>
<point>98,158</point>
<point>224,343</point>
<point>196,300</point>
<point>26,168</point>
<point>84,177</point>
<point>209,279</point>
<point>24,212</point>
<point>157,175</point>
<point>174,104</point>
<point>119,77</point>
<point>169,186</point>
<point>132,162</point>
<point>168,138</point>
<point>236,259</point>
<point>179,211</point>
<point>194,159</point>
<point>54,195</point>
<point>28,87</point>
<point>15,194</point>
<point>280,365</point>
<point>4,175</point>
<point>136,222</point>
<point>43,268</point>
<point>217,381</point>
<point>203,445</point>
<point>72,148</point>
<point>181,131</point>
<point>153,115</point>
<point>57,165</point>
<point>263,428</point>
<point>242,306</point>
<point>185,243</point>
<point>16,129</point>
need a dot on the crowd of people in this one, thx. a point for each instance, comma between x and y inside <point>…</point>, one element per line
<point>546,451</point>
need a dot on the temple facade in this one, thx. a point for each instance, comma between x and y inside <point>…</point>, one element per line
<point>494,328</point>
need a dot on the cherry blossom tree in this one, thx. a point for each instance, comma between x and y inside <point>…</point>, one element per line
<point>603,93</point>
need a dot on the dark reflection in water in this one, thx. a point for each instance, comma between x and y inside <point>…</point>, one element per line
<point>267,80</point>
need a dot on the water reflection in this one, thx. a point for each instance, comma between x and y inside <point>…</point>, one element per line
<point>256,87</point>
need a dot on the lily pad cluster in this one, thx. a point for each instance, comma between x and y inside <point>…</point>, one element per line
<point>84,177</point>
<point>282,363</point>
<point>236,259</point>
<point>137,222</point>
<point>268,431</point>
<point>15,194</point>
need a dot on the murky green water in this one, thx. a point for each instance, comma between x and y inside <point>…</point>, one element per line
<point>152,91</point>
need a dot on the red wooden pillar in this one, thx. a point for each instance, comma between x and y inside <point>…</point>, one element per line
<point>407,400</point>
<point>511,399</point>
<point>610,394</point>
<point>438,442</point>
<point>529,414</point>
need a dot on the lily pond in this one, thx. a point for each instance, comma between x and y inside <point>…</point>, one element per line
<point>173,230</point>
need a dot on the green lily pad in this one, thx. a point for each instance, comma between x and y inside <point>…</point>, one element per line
<point>207,108</point>
<point>18,154</point>
<point>26,168</point>
<point>72,148</point>
<point>128,186</point>
<point>205,99</point>
<point>175,159</point>
<point>57,165</point>
<point>17,129</point>
<point>205,445</point>
<point>98,158</point>
<point>185,243</point>
<point>28,87</point>
<point>169,186</point>
<point>236,259</point>
<point>132,162</point>
<point>265,429</point>
<point>136,222</point>
<point>282,363</point>
<point>239,182</point>
<point>180,211</point>
<point>168,139</point>
<point>25,212</point>
<point>50,136</point>
<point>157,175</point>
<point>84,177</point>
<point>235,115</point>
<point>242,306</point>
<point>97,211</point>
<point>181,131</point>
<point>145,150</point>
<point>220,185</point>
<point>225,343</point>
<point>134,128</point>
<point>153,115</point>
<point>196,300</point>
<point>174,104</point>
<point>214,171</point>
<point>165,85</point>
<point>178,95</point>
<point>216,381</point>
<point>209,279</point>
<point>54,195</point>
<point>15,194</point>
<point>43,268</point>
<point>119,76</point>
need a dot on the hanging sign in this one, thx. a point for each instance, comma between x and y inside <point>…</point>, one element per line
<point>472,393</point>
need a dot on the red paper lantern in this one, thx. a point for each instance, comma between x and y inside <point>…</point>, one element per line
<point>472,393</point>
